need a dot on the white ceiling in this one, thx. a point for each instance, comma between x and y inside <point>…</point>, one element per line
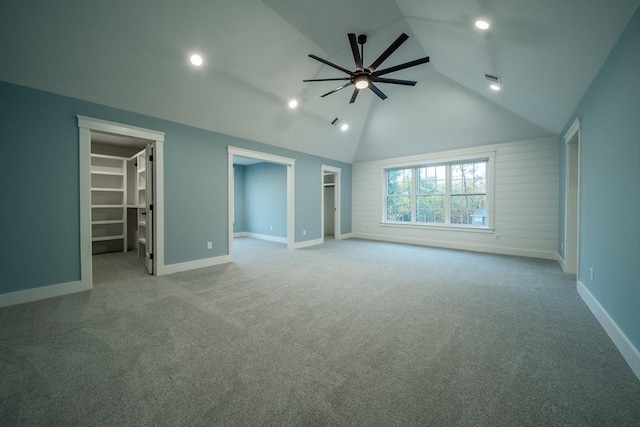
<point>133,55</point>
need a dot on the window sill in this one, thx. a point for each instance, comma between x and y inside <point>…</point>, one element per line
<point>440,227</point>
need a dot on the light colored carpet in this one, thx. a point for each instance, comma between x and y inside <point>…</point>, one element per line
<point>348,333</point>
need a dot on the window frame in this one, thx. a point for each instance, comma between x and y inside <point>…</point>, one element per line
<point>423,161</point>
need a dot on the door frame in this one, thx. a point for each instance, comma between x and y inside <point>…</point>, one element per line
<point>271,158</point>
<point>571,238</point>
<point>85,126</point>
<point>331,170</point>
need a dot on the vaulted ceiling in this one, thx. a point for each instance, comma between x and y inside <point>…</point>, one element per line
<point>134,56</point>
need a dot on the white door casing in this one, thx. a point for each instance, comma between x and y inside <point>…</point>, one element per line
<point>85,126</point>
<point>271,158</point>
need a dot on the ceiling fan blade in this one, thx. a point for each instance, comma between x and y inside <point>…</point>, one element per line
<point>327,80</point>
<point>377,91</point>
<point>355,94</point>
<point>395,81</point>
<point>396,44</point>
<point>401,66</point>
<point>336,89</point>
<point>354,48</point>
<point>331,64</point>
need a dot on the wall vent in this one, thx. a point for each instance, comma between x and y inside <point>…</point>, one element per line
<point>492,78</point>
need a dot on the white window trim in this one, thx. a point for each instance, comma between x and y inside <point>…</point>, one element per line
<point>427,160</point>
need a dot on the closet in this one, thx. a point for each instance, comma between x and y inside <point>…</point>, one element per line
<point>329,204</point>
<point>118,194</point>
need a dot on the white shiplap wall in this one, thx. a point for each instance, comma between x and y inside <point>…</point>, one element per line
<point>525,189</point>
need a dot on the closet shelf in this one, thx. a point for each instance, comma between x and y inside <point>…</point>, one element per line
<point>106,206</point>
<point>121,190</point>
<point>142,240</point>
<point>102,239</point>
<point>97,172</point>
<point>142,223</point>
<point>112,221</point>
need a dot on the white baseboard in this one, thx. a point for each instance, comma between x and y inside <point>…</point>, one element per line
<point>199,263</point>
<point>240,234</point>
<point>630,354</point>
<point>43,292</point>
<point>266,237</point>
<point>344,236</point>
<point>500,250</point>
<point>307,243</point>
<point>561,262</point>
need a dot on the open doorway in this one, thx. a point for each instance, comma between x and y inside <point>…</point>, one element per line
<point>121,201</point>
<point>572,200</point>
<point>280,228</point>
<point>330,205</point>
<point>121,221</point>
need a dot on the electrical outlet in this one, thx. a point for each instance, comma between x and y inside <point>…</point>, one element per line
<point>209,245</point>
<point>271,228</point>
<point>591,273</point>
<point>304,232</point>
<point>561,246</point>
<point>497,237</point>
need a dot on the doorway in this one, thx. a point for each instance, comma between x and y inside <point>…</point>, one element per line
<point>330,205</point>
<point>247,156</point>
<point>572,200</point>
<point>121,203</point>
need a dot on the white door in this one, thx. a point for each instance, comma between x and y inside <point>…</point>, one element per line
<point>149,208</point>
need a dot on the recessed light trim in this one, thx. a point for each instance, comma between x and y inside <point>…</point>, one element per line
<point>482,24</point>
<point>196,59</point>
<point>344,127</point>
<point>494,86</point>
<point>293,104</point>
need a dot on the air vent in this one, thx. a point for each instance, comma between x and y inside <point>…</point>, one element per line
<point>492,78</point>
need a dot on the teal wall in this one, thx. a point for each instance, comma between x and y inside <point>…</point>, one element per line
<point>610,183</point>
<point>39,187</point>
<point>238,199</point>
<point>265,209</point>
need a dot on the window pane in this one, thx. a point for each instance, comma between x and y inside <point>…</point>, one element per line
<point>399,208</point>
<point>456,179</point>
<point>431,180</point>
<point>469,210</point>
<point>469,178</point>
<point>430,209</point>
<point>480,177</point>
<point>399,182</point>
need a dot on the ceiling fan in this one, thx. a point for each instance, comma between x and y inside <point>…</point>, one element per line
<point>363,77</point>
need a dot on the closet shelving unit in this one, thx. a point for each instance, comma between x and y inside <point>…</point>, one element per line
<point>141,200</point>
<point>108,202</point>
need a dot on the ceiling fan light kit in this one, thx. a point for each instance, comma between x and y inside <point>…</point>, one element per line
<point>362,77</point>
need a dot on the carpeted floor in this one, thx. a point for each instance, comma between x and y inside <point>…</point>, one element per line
<point>348,333</point>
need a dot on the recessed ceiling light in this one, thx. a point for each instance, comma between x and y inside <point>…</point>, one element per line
<point>344,127</point>
<point>483,25</point>
<point>495,86</point>
<point>196,60</point>
<point>293,104</point>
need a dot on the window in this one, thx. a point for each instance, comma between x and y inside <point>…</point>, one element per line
<point>452,193</point>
